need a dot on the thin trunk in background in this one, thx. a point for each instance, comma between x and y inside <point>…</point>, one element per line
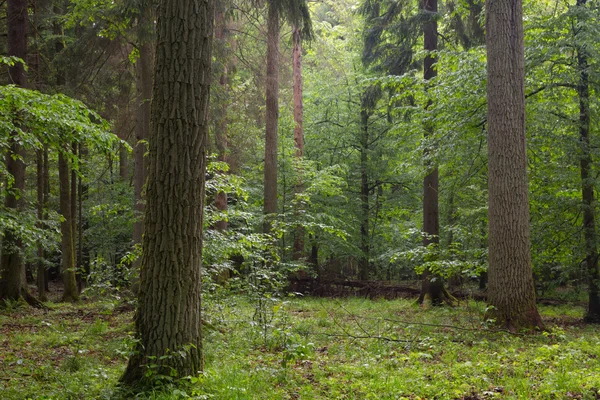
<point>143,73</point>
<point>364,264</point>
<point>298,133</point>
<point>41,206</point>
<point>12,268</point>
<point>432,283</point>
<point>587,182</point>
<point>71,292</point>
<point>221,140</point>
<point>272,116</point>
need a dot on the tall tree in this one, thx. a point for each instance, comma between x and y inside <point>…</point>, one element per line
<point>168,319</point>
<point>272,113</point>
<point>220,115</point>
<point>66,199</point>
<point>298,130</point>
<point>71,292</point>
<point>432,283</point>
<point>12,267</point>
<point>587,180</point>
<point>143,74</point>
<point>511,291</point>
<point>296,12</point>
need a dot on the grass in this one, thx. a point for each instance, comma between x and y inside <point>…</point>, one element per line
<point>306,348</point>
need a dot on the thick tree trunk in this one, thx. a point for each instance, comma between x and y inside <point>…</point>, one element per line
<point>587,184</point>
<point>11,266</point>
<point>272,117</point>
<point>143,72</point>
<point>511,291</point>
<point>68,270</point>
<point>298,133</point>
<point>168,319</point>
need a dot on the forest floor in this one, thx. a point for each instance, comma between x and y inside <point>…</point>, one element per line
<point>308,348</point>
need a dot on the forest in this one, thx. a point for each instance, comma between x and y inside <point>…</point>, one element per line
<point>293,199</point>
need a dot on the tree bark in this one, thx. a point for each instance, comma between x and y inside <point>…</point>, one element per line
<point>12,267</point>
<point>68,270</point>
<point>143,72</point>
<point>510,289</point>
<point>272,116</point>
<point>168,320</point>
<point>432,284</point>
<point>587,183</point>
<point>298,133</point>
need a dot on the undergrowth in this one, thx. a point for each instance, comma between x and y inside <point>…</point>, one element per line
<point>309,349</point>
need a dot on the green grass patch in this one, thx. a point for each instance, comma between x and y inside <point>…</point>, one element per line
<point>310,349</point>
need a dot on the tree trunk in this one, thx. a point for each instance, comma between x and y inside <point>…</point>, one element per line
<point>12,268</point>
<point>272,117</point>
<point>510,289</point>
<point>143,72</point>
<point>432,284</point>
<point>83,259</point>
<point>298,133</point>
<point>168,320</point>
<point>221,116</point>
<point>46,201</point>
<point>587,183</point>
<point>68,269</point>
<point>364,265</point>
<point>41,206</point>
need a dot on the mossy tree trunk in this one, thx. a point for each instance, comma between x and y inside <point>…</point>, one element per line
<point>168,320</point>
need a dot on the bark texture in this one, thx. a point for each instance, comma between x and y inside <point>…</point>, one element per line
<point>168,320</point>
<point>511,290</point>
<point>12,268</point>
<point>272,116</point>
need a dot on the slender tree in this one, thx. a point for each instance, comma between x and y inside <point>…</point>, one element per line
<point>272,113</point>
<point>511,291</point>
<point>587,179</point>
<point>220,116</point>
<point>168,320</point>
<point>12,267</point>
<point>432,283</point>
<point>143,74</point>
<point>296,12</point>
<point>298,131</point>
<point>71,292</point>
